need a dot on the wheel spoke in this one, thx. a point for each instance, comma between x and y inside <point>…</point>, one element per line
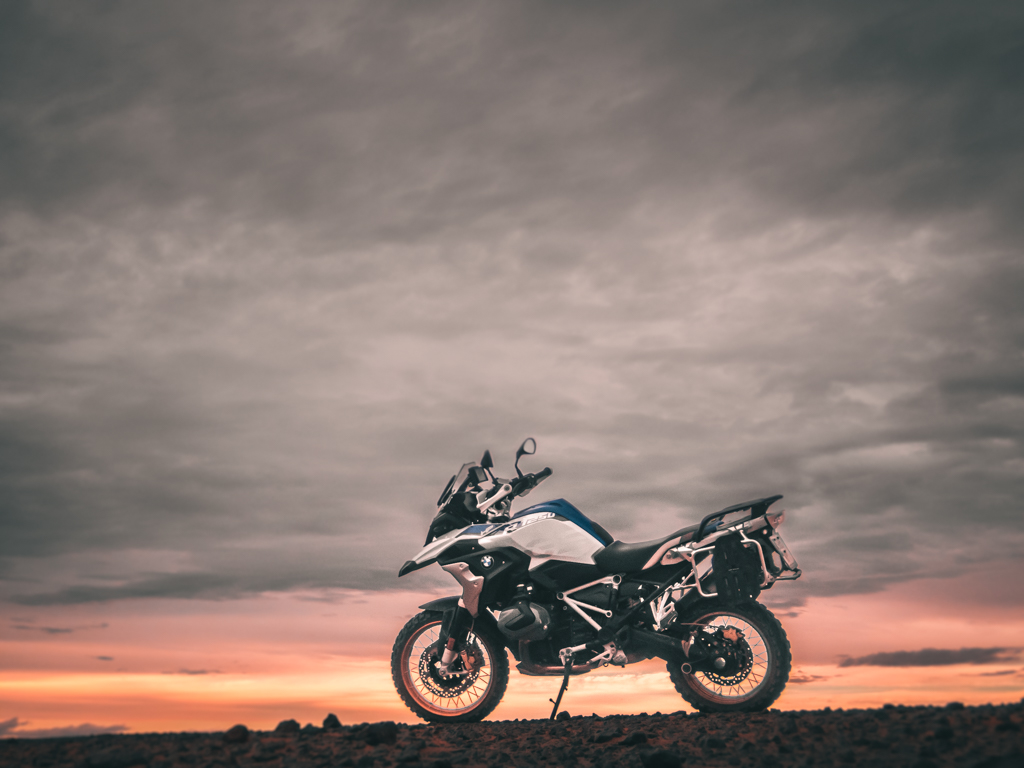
<point>756,666</point>
<point>437,693</point>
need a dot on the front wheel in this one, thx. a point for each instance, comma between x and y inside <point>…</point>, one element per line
<point>467,696</point>
<point>755,664</point>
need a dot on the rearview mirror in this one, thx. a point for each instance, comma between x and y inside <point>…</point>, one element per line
<point>528,448</point>
<point>487,462</point>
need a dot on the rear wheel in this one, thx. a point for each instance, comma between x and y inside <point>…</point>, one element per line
<point>754,665</point>
<point>467,696</point>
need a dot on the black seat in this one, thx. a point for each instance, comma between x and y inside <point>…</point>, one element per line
<point>620,557</point>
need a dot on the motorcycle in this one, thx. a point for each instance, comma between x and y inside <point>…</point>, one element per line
<point>554,588</point>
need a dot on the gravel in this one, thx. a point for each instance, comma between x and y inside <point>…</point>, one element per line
<point>975,737</point>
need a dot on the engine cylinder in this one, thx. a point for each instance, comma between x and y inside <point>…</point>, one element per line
<point>525,621</point>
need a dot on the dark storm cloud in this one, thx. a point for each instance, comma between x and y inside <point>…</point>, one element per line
<point>464,116</point>
<point>934,657</point>
<point>8,725</point>
<point>800,679</point>
<point>55,630</point>
<point>15,728</point>
<point>46,630</point>
<point>170,585</point>
<point>254,575</point>
<point>268,274</point>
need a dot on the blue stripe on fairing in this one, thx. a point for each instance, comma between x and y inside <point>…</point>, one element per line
<point>564,509</point>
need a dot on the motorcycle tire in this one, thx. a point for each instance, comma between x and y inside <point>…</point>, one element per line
<point>752,689</point>
<point>466,698</point>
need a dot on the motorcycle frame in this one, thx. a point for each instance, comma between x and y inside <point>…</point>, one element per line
<point>688,582</point>
<point>663,603</point>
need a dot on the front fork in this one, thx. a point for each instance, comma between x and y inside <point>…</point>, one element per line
<point>458,621</point>
<point>455,626</point>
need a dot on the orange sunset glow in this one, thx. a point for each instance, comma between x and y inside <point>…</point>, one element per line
<point>206,665</point>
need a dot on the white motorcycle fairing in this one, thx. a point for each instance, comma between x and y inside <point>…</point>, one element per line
<point>554,530</point>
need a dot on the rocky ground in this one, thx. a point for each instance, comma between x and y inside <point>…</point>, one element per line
<point>954,735</point>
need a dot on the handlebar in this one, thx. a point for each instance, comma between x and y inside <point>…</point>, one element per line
<point>529,481</point>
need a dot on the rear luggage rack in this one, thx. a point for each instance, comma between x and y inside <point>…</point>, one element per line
<point>757,508</point>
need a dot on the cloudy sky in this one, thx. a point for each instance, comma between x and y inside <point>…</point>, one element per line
<point>270,272</point>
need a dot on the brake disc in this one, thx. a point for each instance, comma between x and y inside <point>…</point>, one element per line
<point>738,651</point>
<point>446,686</point>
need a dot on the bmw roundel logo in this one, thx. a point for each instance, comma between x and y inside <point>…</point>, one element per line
<point>486,561</point>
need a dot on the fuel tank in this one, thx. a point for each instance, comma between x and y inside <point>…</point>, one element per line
<point>553,530</point>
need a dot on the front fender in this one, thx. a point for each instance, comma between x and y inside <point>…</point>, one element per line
<point>442,604</point>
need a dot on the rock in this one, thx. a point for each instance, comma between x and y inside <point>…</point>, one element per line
<point>563,715</point>
<point>117,758</point>
<point>409,755</point>
<point>381,733</point>
<point>661,758</point>
<point>237,734</point>
<point>256,752</point>
<point>637,737</point>
<point>927,751</point>
<point>458,757</point>
<point>954,705</point>
<point>606,735</point>
<point>286,727</point>
<point>331,721</point>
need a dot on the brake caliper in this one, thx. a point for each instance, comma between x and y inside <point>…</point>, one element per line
<point>472,659</point>
<point>731,634</point>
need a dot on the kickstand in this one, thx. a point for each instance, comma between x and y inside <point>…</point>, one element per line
<point>565,684</point>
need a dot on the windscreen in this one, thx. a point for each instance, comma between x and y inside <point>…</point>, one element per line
<point>457,484</point>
